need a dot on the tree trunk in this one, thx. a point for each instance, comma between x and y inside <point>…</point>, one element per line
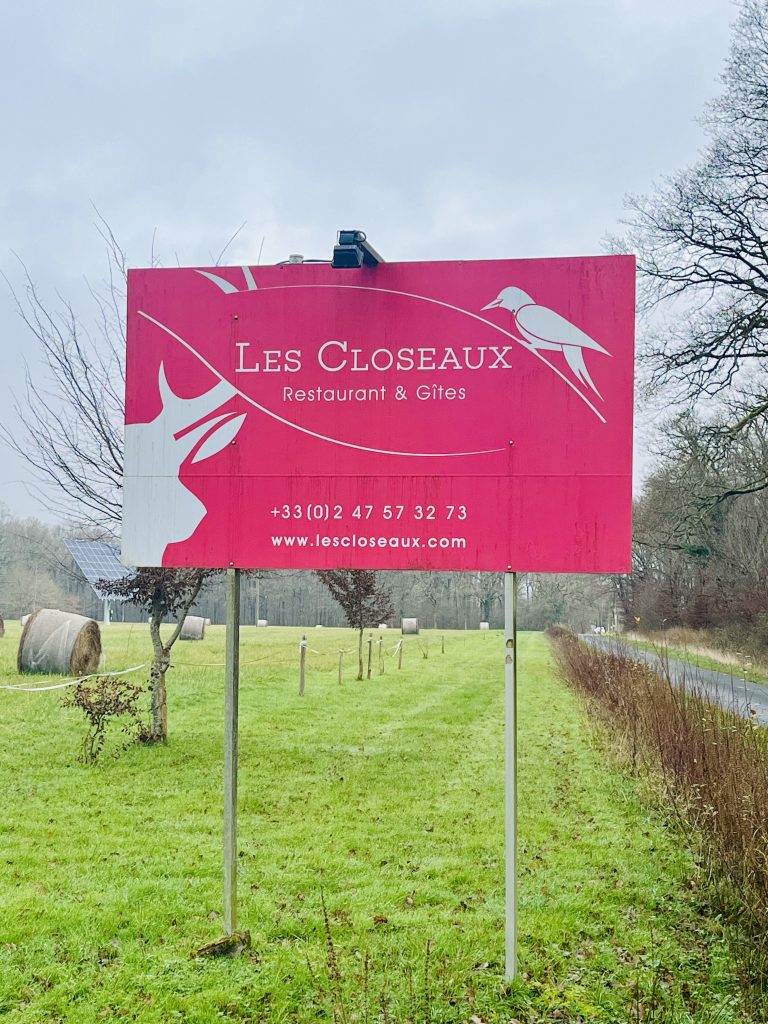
<point>161,660</point>
<point>158,729</point>
<point>158,732</point>
<point>360,655</point>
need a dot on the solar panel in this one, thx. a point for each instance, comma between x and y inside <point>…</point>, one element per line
<point>98,561</point>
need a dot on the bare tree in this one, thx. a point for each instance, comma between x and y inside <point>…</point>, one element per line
<point>433,586</point>
<point>363,599</point>
<point>487,590</point>
<point>72,436</point>
<point>72,417</point>
<point>702,245</point>
<point>696,561</point>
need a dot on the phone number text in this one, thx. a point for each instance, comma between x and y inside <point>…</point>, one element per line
<point>323,512</point>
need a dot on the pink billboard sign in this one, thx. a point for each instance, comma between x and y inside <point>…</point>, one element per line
<point>455,415</point>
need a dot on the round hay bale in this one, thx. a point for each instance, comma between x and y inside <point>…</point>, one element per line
<point>410,627</point>
<point>383,625</point>
<point>207,622</point>
<point>262,622</point>
<point>24,620</point>
<point>485,625</point>
<point>193,628</point>
<point>59,642</point>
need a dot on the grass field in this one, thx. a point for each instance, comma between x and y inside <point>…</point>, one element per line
<point>384,795</point>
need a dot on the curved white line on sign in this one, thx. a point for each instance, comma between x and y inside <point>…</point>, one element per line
<point>248,275</point>
<point>226,286</point>
<point>295,426</point>
<point>458,309</point>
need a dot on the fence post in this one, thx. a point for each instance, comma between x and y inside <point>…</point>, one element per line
<point>302,664</point>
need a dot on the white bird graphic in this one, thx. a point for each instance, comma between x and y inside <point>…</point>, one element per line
<point>543,328</point>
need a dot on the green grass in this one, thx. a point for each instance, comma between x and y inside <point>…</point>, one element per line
<point>386,796</point>
<point>746,671</point>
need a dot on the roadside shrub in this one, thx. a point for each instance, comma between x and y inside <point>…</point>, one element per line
<point>714,768</point>
<point>558,632</point>
<point>102,701</point>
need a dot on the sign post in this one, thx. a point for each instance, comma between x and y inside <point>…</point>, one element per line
<point>231,703</point>
<point>441,416</point>
<point>510,774</point>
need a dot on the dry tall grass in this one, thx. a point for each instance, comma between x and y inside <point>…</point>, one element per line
<point>714,768</point>
<point>693,641</point>
<point>728,646</point>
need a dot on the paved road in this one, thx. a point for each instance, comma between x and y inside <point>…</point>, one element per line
<point>730,691</point>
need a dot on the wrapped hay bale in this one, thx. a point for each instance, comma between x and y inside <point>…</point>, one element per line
<point>59,642</point>
<point>24,620</point>
<point>485,625</point>
<point>193,628</point>
<point>410,627</point>
<point>262,622</point>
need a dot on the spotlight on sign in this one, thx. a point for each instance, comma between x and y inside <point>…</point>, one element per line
<point>354,250</point>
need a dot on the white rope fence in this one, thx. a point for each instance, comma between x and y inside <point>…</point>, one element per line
<point>41,687</point>
<point>47,685</point>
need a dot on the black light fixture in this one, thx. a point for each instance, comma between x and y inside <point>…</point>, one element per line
<point>354,250</point>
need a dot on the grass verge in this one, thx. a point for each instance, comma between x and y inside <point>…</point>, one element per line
<point>371,851</point>
<point>660,646</point>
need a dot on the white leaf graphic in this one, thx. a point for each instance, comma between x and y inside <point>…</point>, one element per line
<point>219,438</point>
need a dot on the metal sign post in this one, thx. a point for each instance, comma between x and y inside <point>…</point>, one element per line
<point>510,773</point>
<point>231,697</point>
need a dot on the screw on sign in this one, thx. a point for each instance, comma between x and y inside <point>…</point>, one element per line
<point>471,416</point>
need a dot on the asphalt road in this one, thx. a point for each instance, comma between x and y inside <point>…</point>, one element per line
<point>732,692</point>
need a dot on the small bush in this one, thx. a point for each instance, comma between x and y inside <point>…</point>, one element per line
<point>101,701</point>
<point>361,992</point>
<point>558,632</point>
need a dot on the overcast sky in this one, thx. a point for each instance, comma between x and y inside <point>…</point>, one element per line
<point>445,130</point>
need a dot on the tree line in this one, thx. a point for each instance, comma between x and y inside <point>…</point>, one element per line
<point>37,571</point>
